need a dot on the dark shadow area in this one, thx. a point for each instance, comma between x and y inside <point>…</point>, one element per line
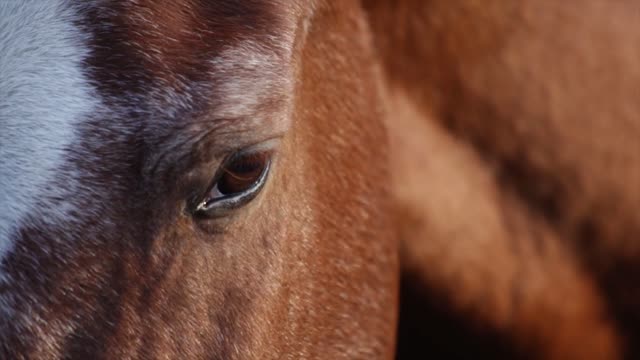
<point>430,329</point>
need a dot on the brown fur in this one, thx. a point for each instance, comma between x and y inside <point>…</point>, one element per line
<point>516,154</point>
<point>497,140</point>
<point>307,270</point>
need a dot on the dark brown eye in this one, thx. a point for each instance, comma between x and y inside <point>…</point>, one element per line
<point>237,182</point>
<point>241,172</point>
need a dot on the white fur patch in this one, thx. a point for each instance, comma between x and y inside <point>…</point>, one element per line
<point>43,95</point>
<point>250,75</point>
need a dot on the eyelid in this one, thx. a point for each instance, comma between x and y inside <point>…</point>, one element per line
<point>268,145</point>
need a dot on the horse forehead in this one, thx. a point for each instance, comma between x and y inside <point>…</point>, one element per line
<point>170,43</point>
<point>61,64</point>
<point>44,95</point>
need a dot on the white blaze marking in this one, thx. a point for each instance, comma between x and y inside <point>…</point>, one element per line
<point>43,95</point>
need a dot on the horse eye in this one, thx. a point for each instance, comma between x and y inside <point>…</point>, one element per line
<point>237,182</point>
<point>239,174</point>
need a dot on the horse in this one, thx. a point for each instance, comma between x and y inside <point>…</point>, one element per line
<point>515,140</point>
<point>192,179</point>
<point>294,179</point>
